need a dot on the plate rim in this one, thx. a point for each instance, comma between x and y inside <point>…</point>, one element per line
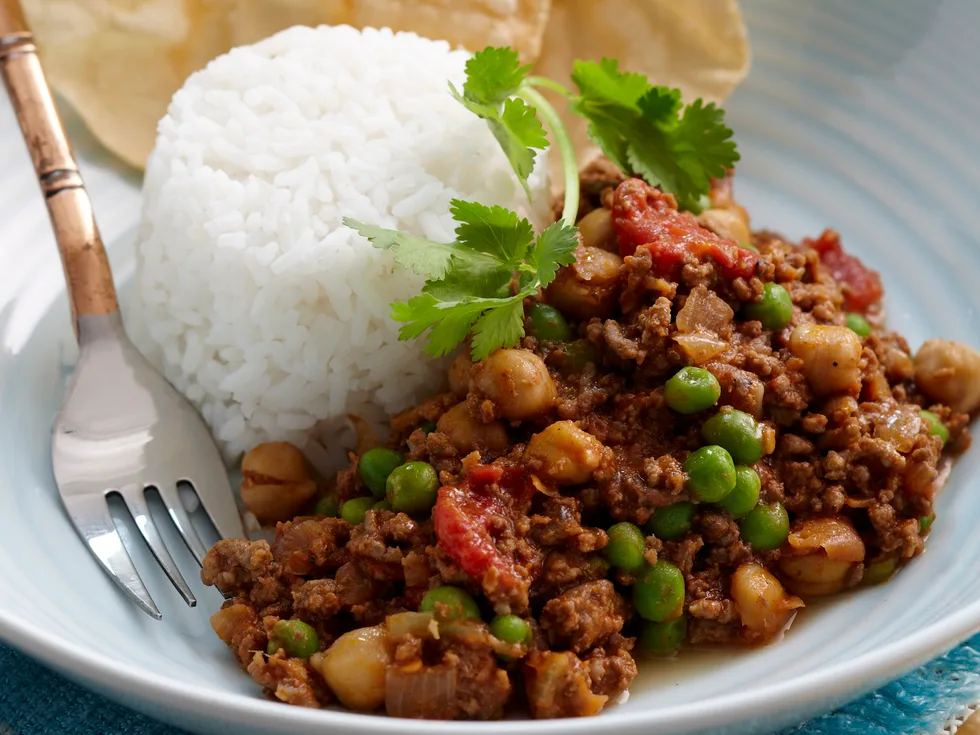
<point>841,682</point>
<point>801,695</point>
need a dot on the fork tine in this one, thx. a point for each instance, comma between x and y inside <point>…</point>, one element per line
<point>135,498</point>
<point>170,496</point>
<point>214,491</point>
<point>93,521</point>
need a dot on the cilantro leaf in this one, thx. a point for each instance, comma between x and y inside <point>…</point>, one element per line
<point>418,313</point>
<point>704,145</point>
<point>423,256</point>
<point>475,289</point>
<point>647,130</point>
<point>520,134</point>
<point>554,247</point>
<point>603,85</point>
<point>493,230</point>
<point>493,75</point>
<point>446,334</point>
<point>499,327</point>
<point>608,100</point>
<point>469,279</point>
<point>523,123</point>
<point>448,322</point>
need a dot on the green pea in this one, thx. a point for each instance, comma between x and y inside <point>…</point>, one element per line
<point>857,324</point>
<point>354,510</point>
<point>327,506</point>
<point>381,505</point>
<point>449,603</point>
<point>511,629</point>
<point>626,546</point>
<point>711,473</point>
<point>936,426</point>
<point>745,496</point>
<point>671,522</point>
<point>765,526</point>
<point>774,310</point>
<point>692,389</point>
<point>375,466</point>
<point>737,432</point>
<point>413,487</point>
<point>925,523</point>
<point>295,637</point>
<point>428,426</point>
<point>548,324</point>
<point>879,571</point>
<point>658,592</point>
<point>748,246</point>
<point>663,639</point>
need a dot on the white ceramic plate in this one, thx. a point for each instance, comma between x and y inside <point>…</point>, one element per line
<point>862,116</point>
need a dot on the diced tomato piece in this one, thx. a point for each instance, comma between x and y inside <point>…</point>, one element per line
<point>860,284</point>
<point>485,474</point>
<point>462,519</point>
<point>644,216</point>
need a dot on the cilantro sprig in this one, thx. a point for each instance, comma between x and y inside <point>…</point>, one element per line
<point>647,131</point>
<point>644,129</point>
<point>477,283</point>
<point>497,90</point>
<point>493,77</point>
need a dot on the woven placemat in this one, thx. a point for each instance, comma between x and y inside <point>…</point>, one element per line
<point>939,698</point>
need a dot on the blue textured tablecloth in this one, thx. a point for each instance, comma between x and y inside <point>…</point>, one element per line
<point>36,701</point>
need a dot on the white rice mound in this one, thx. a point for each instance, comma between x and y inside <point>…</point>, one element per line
<point>252,297</point>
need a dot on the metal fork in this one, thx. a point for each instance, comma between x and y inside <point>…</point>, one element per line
<point>122,428</point>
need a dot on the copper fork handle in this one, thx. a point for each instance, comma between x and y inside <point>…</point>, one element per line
<point>90,285</point>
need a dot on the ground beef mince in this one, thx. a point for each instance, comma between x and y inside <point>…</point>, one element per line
<point>706,436</point>
<point>584,616</point>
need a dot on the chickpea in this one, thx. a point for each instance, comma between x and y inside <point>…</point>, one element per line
<point>517,382</point>
<point>467,434</point>
<point>836,537</point>
<point>228,621</point>
<point>814,575</point>
<point>275,482</point>
<point>831,358</point>
<point>588,287</point>
<point>459,374</point>
<point>597,230</point>
<point>763,604</point>
<point>355,667</point>
<point>564,454</point>
<point>557,685</point>
<point>897,363</point>
<point>949,372</point>
<point>822,553</point>
<point>728,223</point>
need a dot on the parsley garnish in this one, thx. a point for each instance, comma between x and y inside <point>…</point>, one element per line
<point>471,282</point>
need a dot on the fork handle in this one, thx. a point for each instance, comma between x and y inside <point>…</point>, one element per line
<point>91,290</point>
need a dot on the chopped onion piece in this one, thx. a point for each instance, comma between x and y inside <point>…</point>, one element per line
<point>420,692</point>
<point>704,309</point>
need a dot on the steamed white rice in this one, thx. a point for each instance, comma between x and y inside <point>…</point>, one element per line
<point>252,297</point>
